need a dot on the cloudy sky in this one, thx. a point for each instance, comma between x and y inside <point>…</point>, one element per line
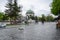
<point>38,6</point>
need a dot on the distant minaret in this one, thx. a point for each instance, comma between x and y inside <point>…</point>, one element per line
<point>15,1</point>
<point>9,1</point>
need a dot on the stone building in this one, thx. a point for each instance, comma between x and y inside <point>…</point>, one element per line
<point>29,13</point>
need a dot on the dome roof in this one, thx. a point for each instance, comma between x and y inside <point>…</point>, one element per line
<point>29,12</point>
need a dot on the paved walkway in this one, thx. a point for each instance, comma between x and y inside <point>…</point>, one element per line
<point>38,31</point>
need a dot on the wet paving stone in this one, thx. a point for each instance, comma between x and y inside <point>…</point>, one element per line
<point>32,31</point>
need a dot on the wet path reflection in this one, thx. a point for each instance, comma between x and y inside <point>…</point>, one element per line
<point>32,31</point>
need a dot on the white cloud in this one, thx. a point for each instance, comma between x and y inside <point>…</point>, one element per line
<point>2,5</point>
<point>35,5</point>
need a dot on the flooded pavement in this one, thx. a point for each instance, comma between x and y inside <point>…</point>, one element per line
<point>32,31</point>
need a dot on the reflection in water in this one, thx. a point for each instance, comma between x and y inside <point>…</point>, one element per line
<point>47,31</point>
<point>32,31</point>
<point>57,35</point>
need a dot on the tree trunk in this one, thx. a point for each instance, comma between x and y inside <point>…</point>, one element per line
<point>11,22</point>
<point>14,22</point>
